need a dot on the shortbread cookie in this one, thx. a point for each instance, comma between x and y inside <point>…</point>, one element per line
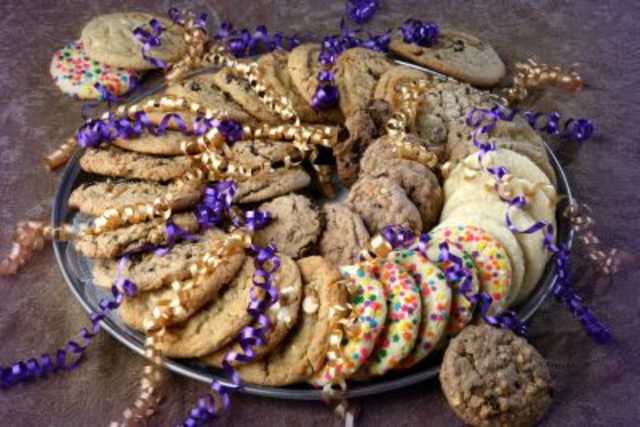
<point>461,307</point>
<point>516,135</point>
<point>167,144</point>
<point>150,271</point>
<point>134,237</point>
<point>76,74</point>
<point>357,72</point>
<point>258,153</point>
<point>267,185</point>
<point>294,228</point>
<point>473,216</point>
<point>458,55</point>
<point>491,377</point>
<point>95,198</point>
<point>389,85</point>
<point>489,257</point>
<point>217,323</point>
<point>302,353</point>
<point>203,90</point>
<point>109,39</point>
<point>404,313</point>
<point>381,202</point>
<point>436,302</point>
<point>283,315</point>
<point>275,77</point>
<point>344,236</point>
<point>303,66</point>
<point>535,254</point>
<point>419,183</point>
<point>367,298</point>
<point>112,161</point>
<point>241,92</point>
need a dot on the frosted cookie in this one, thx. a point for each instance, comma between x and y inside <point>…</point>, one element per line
<point>76,74</point>
<point>471,215</point>
<point>461,308</point>
<point>302,353</point>
<point>369,309</point>
<point>404,313</point>
<point>114,162</point>
<point>344,236</point>
<point>491,377</point>
<point>110,40</point>
<point>489,257</point>
<point>436,302</point>
<point>283,315</point>
<point>535,254</point>
<point>458,55</point>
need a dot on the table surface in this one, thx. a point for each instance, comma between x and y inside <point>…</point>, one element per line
<point>595,385</point>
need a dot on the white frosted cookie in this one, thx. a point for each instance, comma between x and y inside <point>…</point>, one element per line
<point>109,39</point>
<point>76,74</point>
<point>471,215</point>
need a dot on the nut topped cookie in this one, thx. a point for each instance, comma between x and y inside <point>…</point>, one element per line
<point>295,225</point>
<point>491,377</point>
<point>109,39</point>
<point>458,55</point>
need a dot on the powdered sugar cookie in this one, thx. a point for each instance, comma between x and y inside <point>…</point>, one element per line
<point>436,302</point>
<point>76,74</point>
<point>367,297</point>
<point>404,306</point>
<point>489,257</point>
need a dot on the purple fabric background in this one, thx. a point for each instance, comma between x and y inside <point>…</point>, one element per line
<point>596,386</point>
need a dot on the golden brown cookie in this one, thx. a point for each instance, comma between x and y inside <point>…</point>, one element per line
<point>344,236</point>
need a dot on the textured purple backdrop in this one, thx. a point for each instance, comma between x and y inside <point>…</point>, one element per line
<point>596,386</point>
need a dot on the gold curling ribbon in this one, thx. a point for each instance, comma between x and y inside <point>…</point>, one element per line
<point>531,75</point>
<point>607,260</point>
<point>62,155</point>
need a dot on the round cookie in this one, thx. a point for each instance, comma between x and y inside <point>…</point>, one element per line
<point>303,66</point>
<point>283,315</point>
<point>109,39</point>
<point>160,145</point>
<point>76,74</point>
<point>367,298</point>
<point>535,255</point>
<point>216,324</point>
<point>461,308</point>
<point>491,377</point>
<point>381,202</point>
<point>489,257</point>
<point>302,353</point>
<point>267,185</point>
<point>344,236</point>
<point>294,228</point>
<point>458,55</point>
<point>404,313</point>
<point>436,302</point>
<point>419,183</point>
<point>472,216</point>
<point>254,154</point>
<point>388,86</point>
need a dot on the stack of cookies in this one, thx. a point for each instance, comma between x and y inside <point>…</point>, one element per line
<point>399,308</point>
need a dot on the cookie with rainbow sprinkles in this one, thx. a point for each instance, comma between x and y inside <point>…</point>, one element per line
<point>76,74</point>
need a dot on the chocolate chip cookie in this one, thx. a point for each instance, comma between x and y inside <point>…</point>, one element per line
<point>491,377</point>
<point>344,236</point>
<point>381,202</point>
<point>458,55</point>
<point>295,226</point>
<point>112,161</point>
<point>256,154</point>
<point>267,185</point>
<point>114,243</point>
<point>302,353</point>
<point>303,67</point>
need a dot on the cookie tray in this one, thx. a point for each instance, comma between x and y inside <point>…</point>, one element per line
<point>76,271</point>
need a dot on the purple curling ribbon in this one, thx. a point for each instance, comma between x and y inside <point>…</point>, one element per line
<point>242,43</point>
<point>175,234</point>
<point>150,40</point>
<point>216,204</point>
<point>72,354</point>
<point>361,11</point>
<point>176,16</point>
<point>267,263</point>
<point>482,122</point>
<point>423,34</point>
